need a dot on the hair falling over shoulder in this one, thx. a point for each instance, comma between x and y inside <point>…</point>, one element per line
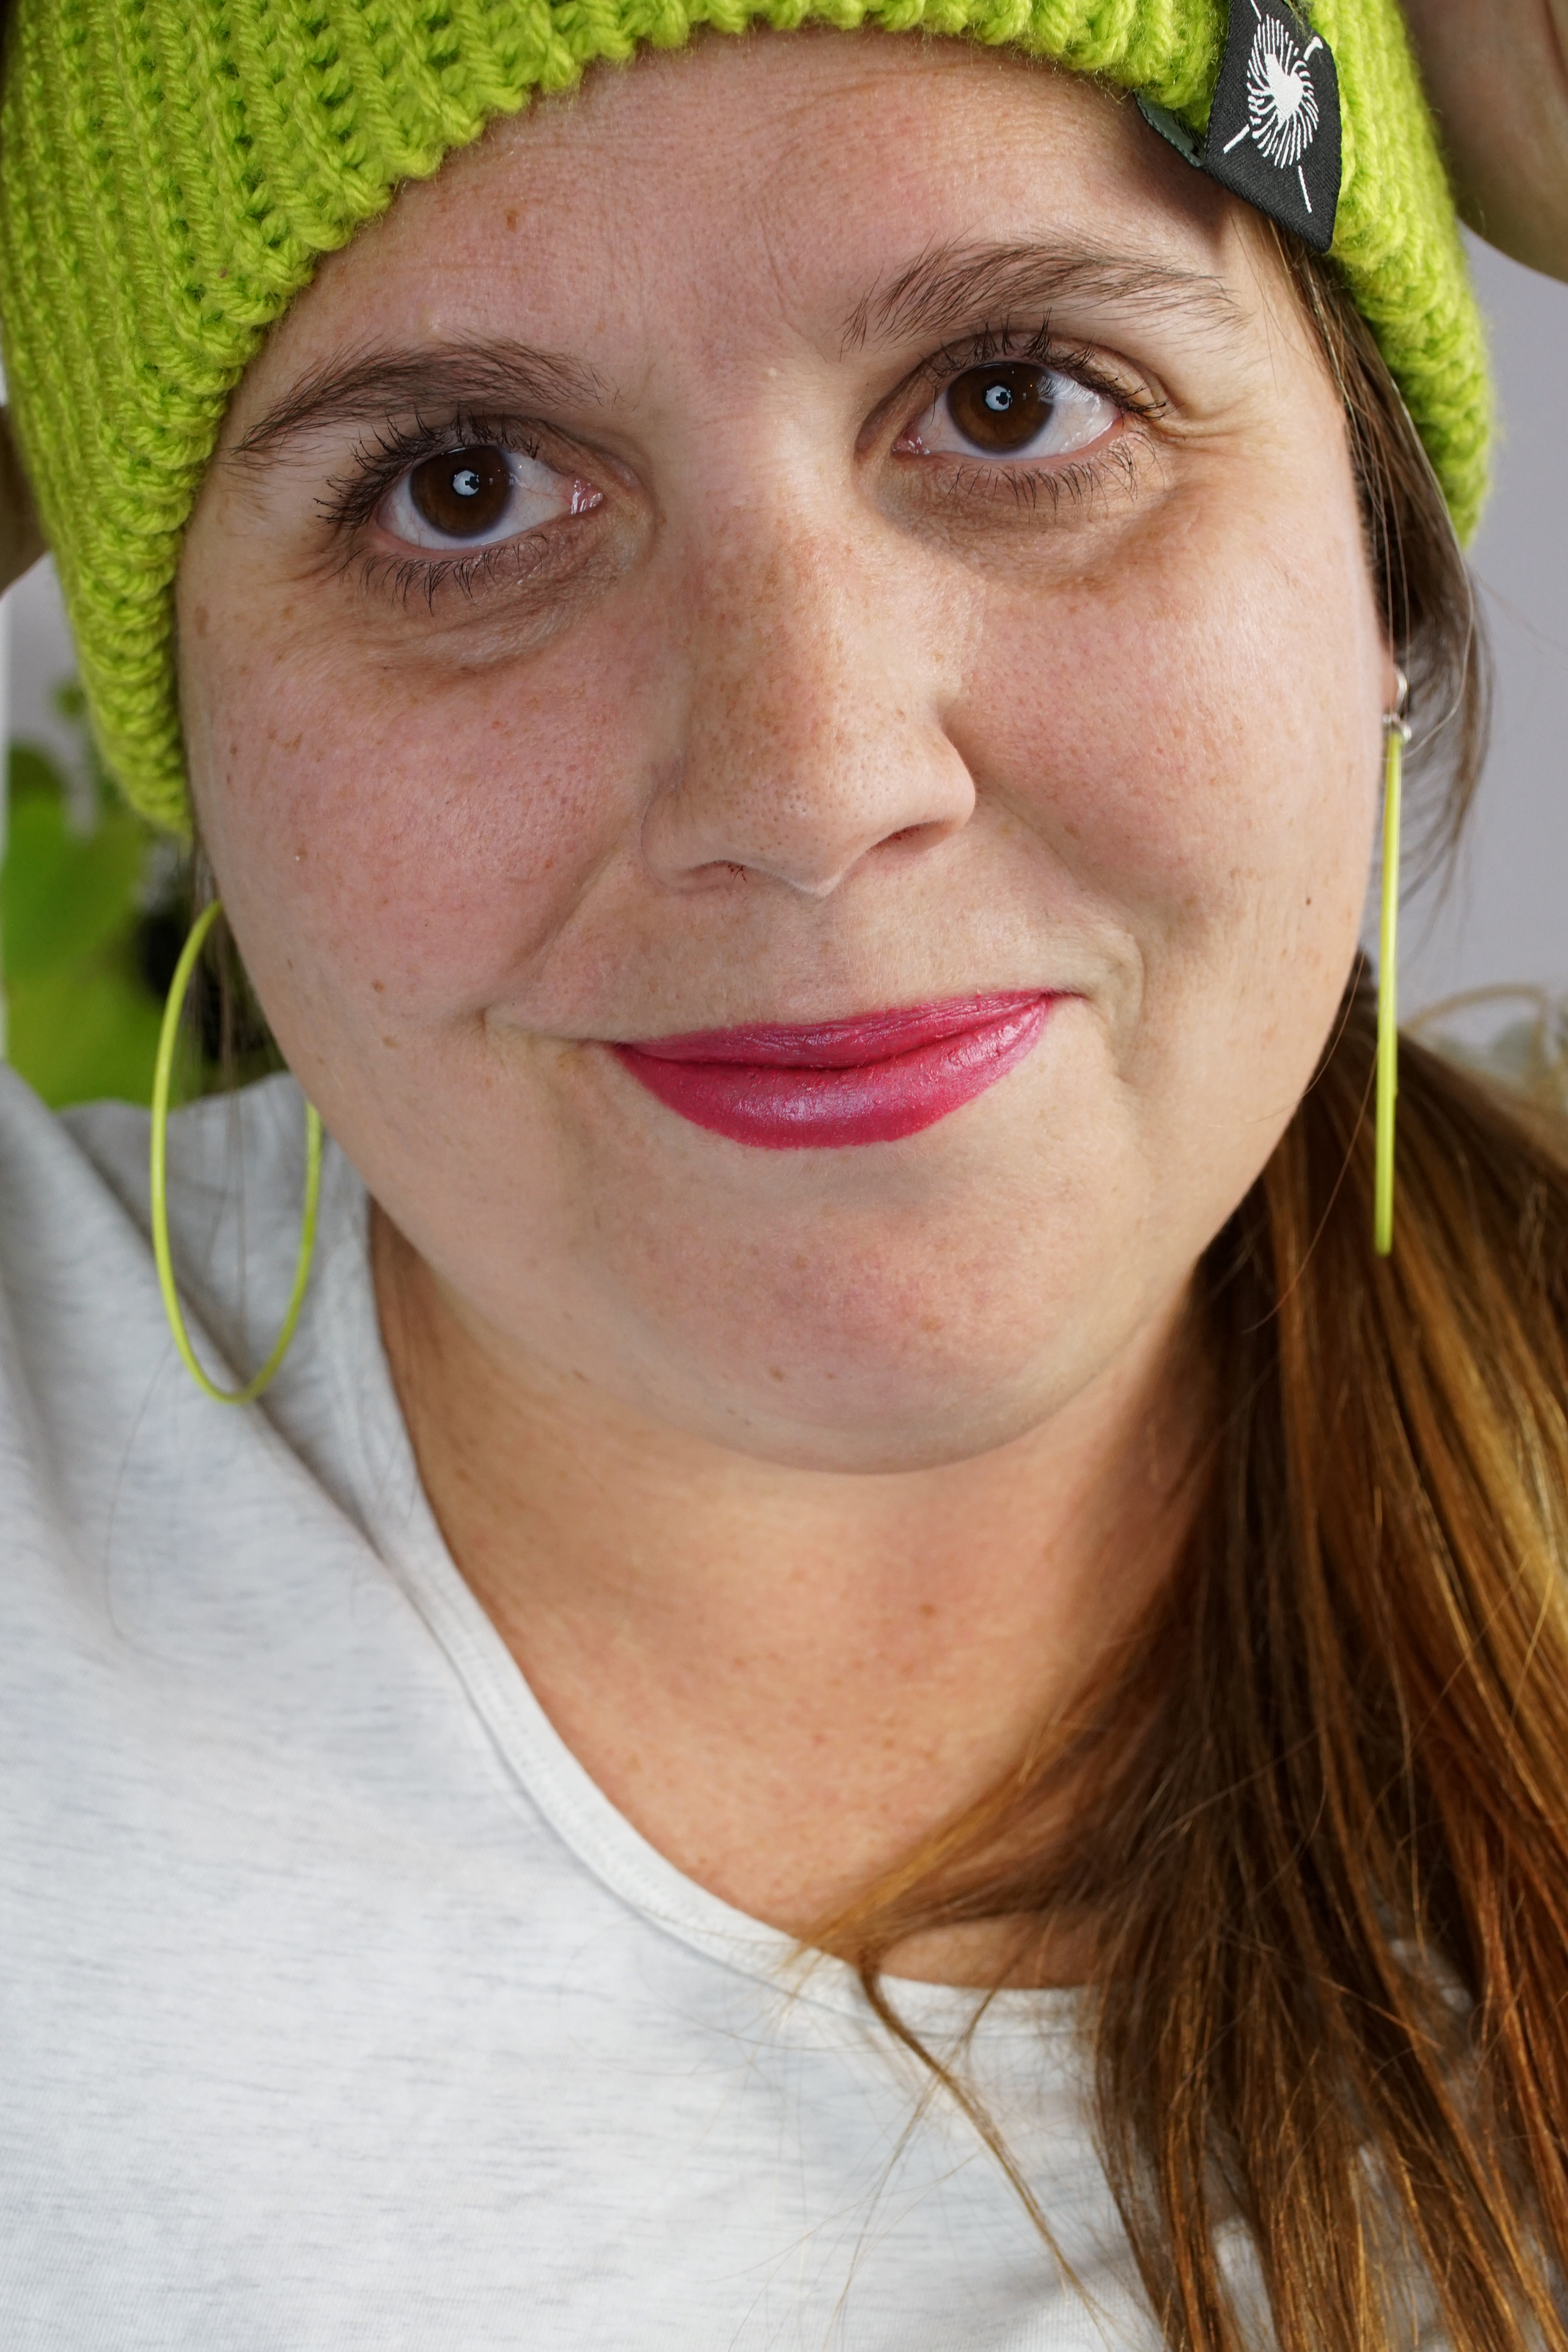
<point>1319,1816</point>
<point>1334,1966</point>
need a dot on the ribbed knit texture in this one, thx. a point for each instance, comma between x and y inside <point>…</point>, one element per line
<point>172,171</point>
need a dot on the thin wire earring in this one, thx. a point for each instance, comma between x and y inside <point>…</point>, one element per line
<point>162,1071</point>
<point>1396,734</point>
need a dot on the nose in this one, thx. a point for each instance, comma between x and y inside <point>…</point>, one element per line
<point>810,734</point>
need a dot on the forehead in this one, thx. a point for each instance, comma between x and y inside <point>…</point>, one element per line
<point>795,179</point>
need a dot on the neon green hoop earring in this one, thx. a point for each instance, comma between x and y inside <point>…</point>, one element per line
<point>161,1250</point>
<point>1396,734</point>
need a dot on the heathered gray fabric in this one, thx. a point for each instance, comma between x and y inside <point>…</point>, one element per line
<point>338,2006</point>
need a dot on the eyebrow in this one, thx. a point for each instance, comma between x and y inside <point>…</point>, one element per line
<point>935,297</point>
<point>948,287</point>
<point>375,385</point>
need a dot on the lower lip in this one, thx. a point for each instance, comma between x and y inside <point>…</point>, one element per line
<point>874,1080</point>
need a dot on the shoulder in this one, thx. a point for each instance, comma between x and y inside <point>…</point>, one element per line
<point>127,1497</point>
<point>72,1228</point>
<point>85,1346</point>
<point>75,1214</point>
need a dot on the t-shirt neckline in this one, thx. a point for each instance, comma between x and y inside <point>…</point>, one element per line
<point>402,1527</point>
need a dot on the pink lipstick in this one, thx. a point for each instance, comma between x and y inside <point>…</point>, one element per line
<point>821,1087</point>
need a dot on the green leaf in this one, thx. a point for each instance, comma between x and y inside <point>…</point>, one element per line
<point>82,1031</point>
<point>82,1022</point>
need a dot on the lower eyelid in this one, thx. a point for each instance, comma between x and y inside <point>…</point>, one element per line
<point>407,574</point>
<point>1020,461</point>
<point>419,577</point>
<point>1115,468</point>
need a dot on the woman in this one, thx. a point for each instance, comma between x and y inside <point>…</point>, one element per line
<point>867,1680</point>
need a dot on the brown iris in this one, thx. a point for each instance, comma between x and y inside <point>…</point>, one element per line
<point>1000,408</point>
<point>464,493</point>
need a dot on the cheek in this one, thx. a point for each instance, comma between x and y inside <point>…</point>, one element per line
<point>1198,736</point>
<point>407,840</point>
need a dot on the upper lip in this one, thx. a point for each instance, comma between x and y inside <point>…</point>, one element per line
<point>860,1039</point>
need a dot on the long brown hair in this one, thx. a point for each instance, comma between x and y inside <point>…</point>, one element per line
<point>1325,1873</point>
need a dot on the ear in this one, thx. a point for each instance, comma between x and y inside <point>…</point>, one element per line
<point>21,539</point>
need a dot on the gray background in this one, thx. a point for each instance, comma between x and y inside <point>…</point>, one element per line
<point>1503,916</point>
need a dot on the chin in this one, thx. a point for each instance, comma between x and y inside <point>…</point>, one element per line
<point>930,1339</point>
<point>864,1420</point>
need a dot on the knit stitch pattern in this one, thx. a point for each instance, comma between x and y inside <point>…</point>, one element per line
<point>172,171</point>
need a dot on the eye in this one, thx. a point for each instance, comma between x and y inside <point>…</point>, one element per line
<point>477,496</point>
<point>1010,408</point>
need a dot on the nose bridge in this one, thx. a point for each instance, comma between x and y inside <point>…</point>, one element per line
<point>812,726</point>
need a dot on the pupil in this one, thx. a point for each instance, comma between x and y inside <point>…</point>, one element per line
<point>1002,407</point>
<point>464,493</point>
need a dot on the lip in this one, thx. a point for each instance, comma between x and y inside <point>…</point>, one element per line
<point>820,1087</point>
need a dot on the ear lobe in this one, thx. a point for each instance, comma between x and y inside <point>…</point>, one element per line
<point>21,538</point>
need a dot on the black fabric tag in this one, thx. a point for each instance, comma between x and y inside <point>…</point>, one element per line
<point>1273,136</point>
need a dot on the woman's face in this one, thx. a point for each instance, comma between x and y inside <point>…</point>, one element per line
<point>813,525</point>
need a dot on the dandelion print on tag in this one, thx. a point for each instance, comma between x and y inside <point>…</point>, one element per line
<point>1273,133</point>
<point>1281,103</point>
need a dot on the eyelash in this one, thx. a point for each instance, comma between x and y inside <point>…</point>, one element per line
<point>377,464</point>
<point>1025,485</point>
<point>1041,350</point>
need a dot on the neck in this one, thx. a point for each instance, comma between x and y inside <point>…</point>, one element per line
<point>786,1678</point>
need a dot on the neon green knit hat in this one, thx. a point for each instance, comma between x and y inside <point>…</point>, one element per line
<point>172,171</point>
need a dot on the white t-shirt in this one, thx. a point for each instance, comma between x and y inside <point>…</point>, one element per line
<point>338,2006</point>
